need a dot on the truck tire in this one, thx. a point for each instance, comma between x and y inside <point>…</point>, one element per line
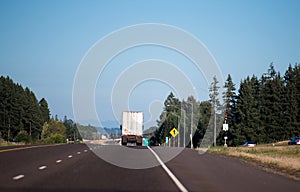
<point>124,140</point>
<point>139,141</point>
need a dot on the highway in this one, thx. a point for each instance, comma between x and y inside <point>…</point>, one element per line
<point>78,167</point>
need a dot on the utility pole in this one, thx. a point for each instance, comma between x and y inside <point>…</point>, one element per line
<point>192,124</point>
<point>191,128</point>
<point>29,128</point>
<point>184,145</point>
<point>74,135</point>
<point>215,103</point>
<point>215,125</point>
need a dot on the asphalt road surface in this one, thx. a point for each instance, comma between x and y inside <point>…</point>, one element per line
<point>75,167</point>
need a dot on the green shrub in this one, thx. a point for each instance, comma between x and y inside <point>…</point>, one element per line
<point>55,138</point>
<point>23,137</point>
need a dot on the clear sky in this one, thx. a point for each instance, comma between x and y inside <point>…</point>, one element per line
<point>43,42</point>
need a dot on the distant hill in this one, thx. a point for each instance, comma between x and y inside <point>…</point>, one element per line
<point>110,124</point>
<point>150,130</point>
<point>114,131</point>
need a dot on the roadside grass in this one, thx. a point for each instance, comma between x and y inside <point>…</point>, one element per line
<point>5,143</point>
<point>280,156</point>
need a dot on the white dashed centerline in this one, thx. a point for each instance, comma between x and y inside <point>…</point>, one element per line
<point>42,167</point>
<point>59,161</point>
<point>18,177</point>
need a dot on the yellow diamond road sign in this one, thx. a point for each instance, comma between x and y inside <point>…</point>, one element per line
<point>174,132</point>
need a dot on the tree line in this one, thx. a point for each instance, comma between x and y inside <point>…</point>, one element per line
<point>264,110</point>
<point>24,118</point>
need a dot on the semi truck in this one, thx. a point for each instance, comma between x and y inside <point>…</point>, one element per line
<point>132,127</point>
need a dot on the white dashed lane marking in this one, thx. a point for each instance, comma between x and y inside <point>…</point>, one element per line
<point>18,177</point>
<point>42,167</point>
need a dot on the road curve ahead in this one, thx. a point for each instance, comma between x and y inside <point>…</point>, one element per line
<point>75,167</point>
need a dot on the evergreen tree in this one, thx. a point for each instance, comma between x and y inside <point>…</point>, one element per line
<point>215,103</point>
<point>44,110</point>
<point>168,119</point>
<point>205,115</point>
<point>291,103</point>
<point>248,112</point>
<point>72,133</point>
<point>230,110</point>
<point>33,116</point>
<point>264,110</point>
<point>19,111</point>
<point>272,106</point>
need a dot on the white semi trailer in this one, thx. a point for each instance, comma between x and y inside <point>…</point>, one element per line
<point>132,127</point>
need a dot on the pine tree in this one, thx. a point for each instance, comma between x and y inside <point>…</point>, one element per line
<point>215,102</point>
<point>169,118</point>
<point>243,107</point>
<point>290,100</point>
<point>33,116</point>
<point>44,110</point>
<point>248,115</point>
<point>71,130</point>
<point>229,107</point>
<point>202,126</point>
<point>272,107</point>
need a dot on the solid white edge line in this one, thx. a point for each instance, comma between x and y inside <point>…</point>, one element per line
<point>172,176</point>
<point>18,177</point>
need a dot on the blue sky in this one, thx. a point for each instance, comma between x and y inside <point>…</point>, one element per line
<point>43,43</point>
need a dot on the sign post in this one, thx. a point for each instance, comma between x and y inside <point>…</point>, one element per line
<point>225,128</point>
<point>225,145</point>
